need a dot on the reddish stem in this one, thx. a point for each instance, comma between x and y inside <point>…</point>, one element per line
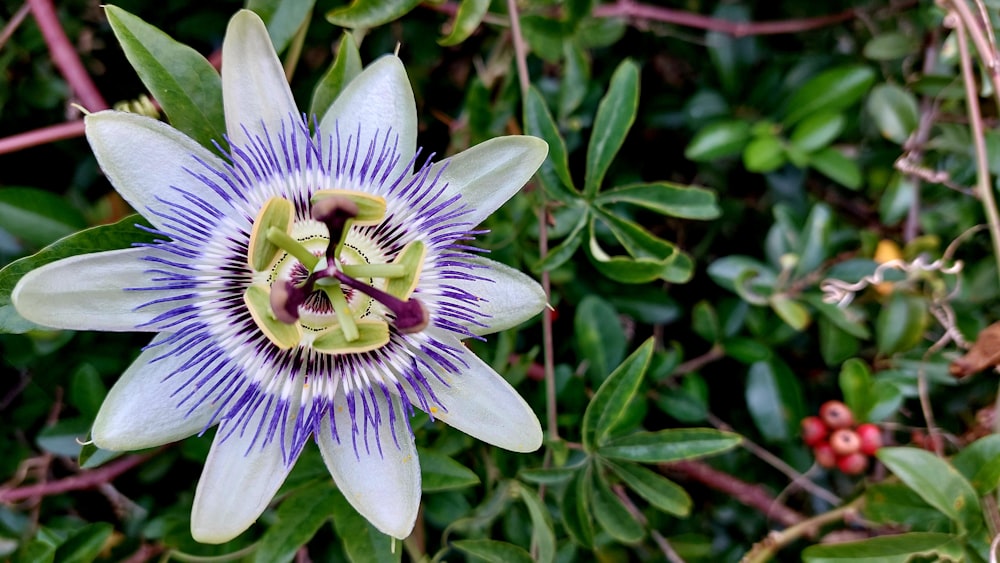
<point>41,136</point>
<point>83,480</point>
<point>64,55</point>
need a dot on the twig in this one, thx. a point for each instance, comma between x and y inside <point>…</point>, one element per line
<point>41,136</point>
<point>765,549</point>
<point>14,23</point>
<point>64,55</point>
<point>754,496</point>
<point>84,480</point>
<point>716,352</point>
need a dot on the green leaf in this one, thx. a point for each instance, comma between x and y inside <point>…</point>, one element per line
<point>345,67</point>
<point>554,172</point>
<point>834,165</point>
<point>468,17</point>
<point>575,509</point>
<point>901,323</point>
<point>849,323</point>
<point>297,520</point>
<point>599,336</point>
<point>791,311</point>
<point>895,112</point>
<point>37,217</point>
<point>91,456</point>
<point>493,551</point>
<point>650,257</point>
<point>84,545</point>
<point>667,198</point>
<point>611,514</point>
<point>979,462</point>
<point>775,400</point>
<point>544,35</point>
<point>558,255</point>
<point>718,139</point>
<point>938,483</point>
<point>689,402</point>
<point>764,153</point>
<point>835,344</point>
<point>361,541</point>
<point>705,322</point>
<point>814,244</point>
<point>615,115</point>
<point>888,549</point>
<point>549,476</point>
<point>370,13</point>
<point>283,18</point>
<point>439,472</point>
<point>659,491</point>
<point>669,445</point>
<point>575,78</point>
<point>890,45</point>
<point>817,131</point>
<point>184,83</point>
<point>64,437</point>
<point>105,237</point>
<point>892,502</point>
<point>87,390</point>
<point>614,395</point>
<point>855,385</point>
<point>830,91</point>
<point>542,533</point>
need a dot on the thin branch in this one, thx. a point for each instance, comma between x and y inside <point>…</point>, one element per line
<point>765,549</point>
<point>64,55</point>
<point>68,130</point>
<point>14,23</point>
<point>84,480</point>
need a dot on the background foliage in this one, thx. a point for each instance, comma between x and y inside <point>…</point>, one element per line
<point>724,181</point>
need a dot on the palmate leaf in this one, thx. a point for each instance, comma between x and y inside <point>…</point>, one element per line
<point>666,198</point>
<point>669,445</point>
<point>554,172</point>
<point>614,395</point>
<point>650,257</point>
<point>615,115</point>
<point>543,534</point>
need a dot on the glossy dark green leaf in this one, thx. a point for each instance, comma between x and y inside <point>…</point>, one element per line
<point>814,246</point>
<point>85,544</point>
<point>283,18</point>
<point>901,323</point>
<point>184,83</point>
<point>548,476</point>
<point>37,217</point>
<point>64,437</point>
<point>650,257</point>
<point>613,397</point>
<point>764,153</point>
<point>575,508</point>
<point>705,322</point>
<point>615,115</point>
<point>794,313</point>
<point>888,549</point>
<point>979,462</point>
<point>596,33</point>
<point>658,491</point>
<point>298,518</point>
<point>493,551</point>
<point>575,78</point>
<point>542,533</point>
<point>897,199</point>
<point>831,91</point>
<point>91,456</point>
<point>345,67</point>
<point>439,472</point>
<point>687,403</point>
<point>890,45</point>
<point>937,482</point>
<point>669,445</point>
<point>774,399</point>
<point>625,269</point>
<point>835,344</point>
<point>599,336</point>
<point>105,237</point>
<point>545,36</point>
<point>611,514</point>
<point>718,139</point>
<point>467,19</point>
<point>817,131</point>
<point>892,502</point>
<point>894,111</point>
<point>667,198</point>
<point>728,272</point>
<point>554,172</point>
<point>559,254</point>
<point>855,386</point>
<point>834,165</point>
<point>361,541</point>
<point>87,390</point>
<point>370,13</point>
<point>847,320</point>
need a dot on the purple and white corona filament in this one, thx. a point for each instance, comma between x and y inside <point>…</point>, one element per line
<point>311,286</point>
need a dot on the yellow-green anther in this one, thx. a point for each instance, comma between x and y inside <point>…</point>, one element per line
<point>412,260</point>
<point>284,336</point>
<point>374,270</point>
<point>284,241</point>
<point>371,208</point>
<point>277,214</point>
<point>342,310</point>
<point>372,335</point>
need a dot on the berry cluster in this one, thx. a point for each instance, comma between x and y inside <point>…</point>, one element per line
<point>837,442</point>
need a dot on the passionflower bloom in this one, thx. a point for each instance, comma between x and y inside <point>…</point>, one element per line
<point>310,285</point>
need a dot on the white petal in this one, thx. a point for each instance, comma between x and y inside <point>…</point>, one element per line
<point>508,297</point>
<point>145,159</point>
<point>379,100</point>
<point>383,487</point>
<point>238,482</point>
<point>142,411</point>
<point>255,92</point>
<point>479,402</point>
<point>89,292</point>
<point>490,173</point>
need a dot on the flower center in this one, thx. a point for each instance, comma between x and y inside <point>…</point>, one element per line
<point>319,290</point>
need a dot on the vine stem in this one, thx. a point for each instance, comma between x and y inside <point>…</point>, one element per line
<point>765,549</point>
<point>64,55</point>
<point>84,480</point>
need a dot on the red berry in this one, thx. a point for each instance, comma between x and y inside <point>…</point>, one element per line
<point>813,430</point>
<point>825,455</point>
<point>836,415</point>
<point>853,464</point>
<point>871,438</point>
<point>845,442</point>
